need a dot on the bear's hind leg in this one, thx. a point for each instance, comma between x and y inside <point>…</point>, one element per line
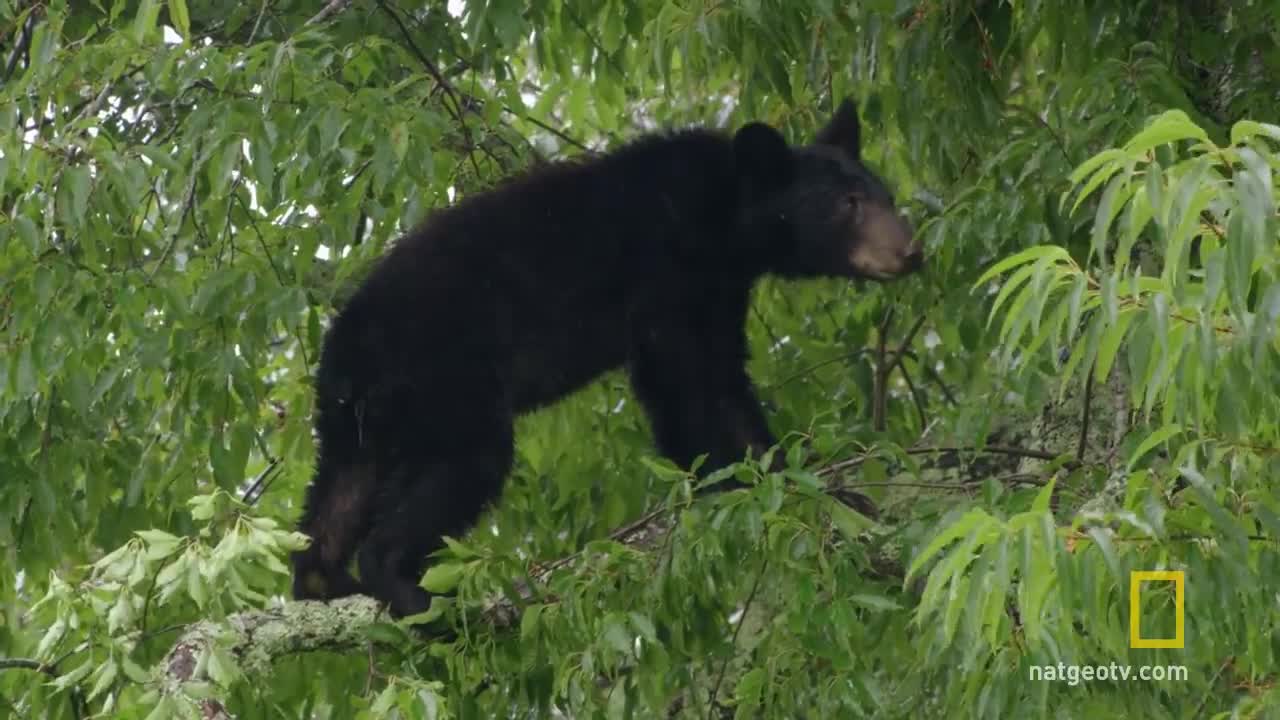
<point>425,499</point>
<point>336,518</point>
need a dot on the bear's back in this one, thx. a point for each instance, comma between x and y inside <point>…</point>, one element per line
<point>541,277</point>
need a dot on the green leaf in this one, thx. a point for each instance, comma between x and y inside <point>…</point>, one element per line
<point>1202,492</point>
<point>264,169</point>
<point>161,157</point>
<point>529,622</point>
<point>1114,198</point>
<point>1189,199</point>
<point>1255,193</point>
<point>28,232</point>
<point>1138,213</point>
<point>1041,503</point>
<point>617,636</point>
<point>1245,129</point>
<point>1026,256</point>
<point>1150,442</point>
<point>145,21</point>
<point>875,602</point>
<point>612,27</point>
<point>1157,381</point>
<point>197,588</point>
<point>160,543</point>
<point>979,588</point>
<point>1079,285</point>
<point>224,471</point>
<point>1094,183</point>
<point>1110,343</point>
<point>1102,538</point>
<point>1014,282</point>
<point>1038,578</point>
<point>749,691</point>
<point>974,518</point>
<point>221,666</point>
<point>24,377</point>
<point>1214,280</point>
<point>949,572</point>
<point>181,18</point>
<point>73,195</point>
<point>850,522</point>
<point>443,577</point>
<point>1094,163</point>
<point>997,585</point>
<point>1265,323</point>
<point>1168,127</point>
<point>750,687</point>
<point>1055,325</point>
<point>956,603</point>
<point>1241,256</point>
<point>644,626</point>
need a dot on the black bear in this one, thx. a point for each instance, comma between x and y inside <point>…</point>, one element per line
<point>642,258</point>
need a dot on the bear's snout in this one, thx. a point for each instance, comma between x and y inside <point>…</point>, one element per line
<point>884,246</point>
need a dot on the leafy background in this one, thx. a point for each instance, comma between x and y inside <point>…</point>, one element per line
<point>1083,384</point>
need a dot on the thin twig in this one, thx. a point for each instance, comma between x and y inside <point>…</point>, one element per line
<point>879,387</point>
<point>724,664</point>
<point>1057,140</point>
<point>934,376</point>
<point>188,206</point>
<point>819,366</point>
<point>911,335</point>
<point>897,363</point>
<point>618,535</point>
<point>460,108</point>
<point>257,24</point>
<point>989,449</point>
<point>331,8</point>
<point>1084,420</point>
<point>25,664</point>
<point>1210,685</point>
<point>1025,478</point>
<point>251,495</point>
<point>78,707</point>
<point>915,394</point>
<point>554,131</point>
<point>21,46</point>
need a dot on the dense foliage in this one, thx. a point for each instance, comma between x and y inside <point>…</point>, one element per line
<point>1082,385</point>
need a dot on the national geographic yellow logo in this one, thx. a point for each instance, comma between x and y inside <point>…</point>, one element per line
<point>1136,578</point>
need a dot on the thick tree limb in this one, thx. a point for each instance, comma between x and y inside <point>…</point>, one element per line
<point>255,639</point>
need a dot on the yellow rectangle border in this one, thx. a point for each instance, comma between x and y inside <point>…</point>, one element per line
<point>1136,578</point>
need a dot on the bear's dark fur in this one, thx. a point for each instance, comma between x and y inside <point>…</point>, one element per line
<point>643,258</point>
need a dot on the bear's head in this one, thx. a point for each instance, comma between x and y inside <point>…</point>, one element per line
<point>816,210</point>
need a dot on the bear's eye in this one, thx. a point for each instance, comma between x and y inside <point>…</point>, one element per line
<point>854,202</point>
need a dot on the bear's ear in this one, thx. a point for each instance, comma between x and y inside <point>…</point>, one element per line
<point>762,156</point>
<point>844,131</point>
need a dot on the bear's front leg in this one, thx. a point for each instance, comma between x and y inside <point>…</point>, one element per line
<point>691,379</point>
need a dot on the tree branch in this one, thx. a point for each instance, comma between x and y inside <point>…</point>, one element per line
<point>256,638</point>
<point>733,642</point>
<point>25,664</point>
<point>1084,420</point>
<point>331,8</point>
<point>989,449</point>
<point>880,382</point>
<point>20,47</point>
